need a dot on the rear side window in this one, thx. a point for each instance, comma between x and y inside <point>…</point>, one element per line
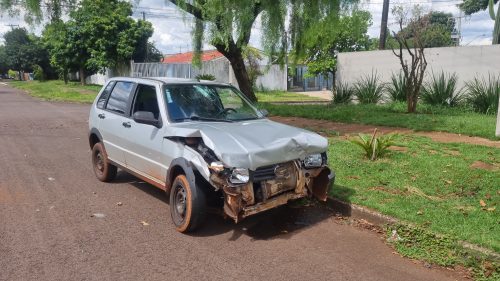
<point>104,95</point>
<point>119,97</point>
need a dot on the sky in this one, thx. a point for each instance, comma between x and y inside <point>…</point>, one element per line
<point>173,27</point>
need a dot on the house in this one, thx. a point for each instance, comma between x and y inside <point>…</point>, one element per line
<point>188,57</point>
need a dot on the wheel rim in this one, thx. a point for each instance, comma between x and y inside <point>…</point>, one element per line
<point>180,202</point>
<point>99,162</point>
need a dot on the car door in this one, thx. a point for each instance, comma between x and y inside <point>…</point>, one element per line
<point>115,120</point>
<point>144,142</point>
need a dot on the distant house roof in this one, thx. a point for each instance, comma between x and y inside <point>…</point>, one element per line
<point>188,57</point>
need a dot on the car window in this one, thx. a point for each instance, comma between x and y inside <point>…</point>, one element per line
<point>119,97</point>
<point>198,101</point>
<point>145,100</point>
<point>104,95</point>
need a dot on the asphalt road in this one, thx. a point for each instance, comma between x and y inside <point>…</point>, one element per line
<point>48,194</point>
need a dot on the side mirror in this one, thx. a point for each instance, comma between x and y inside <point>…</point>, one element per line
<point>264,112</point>
<point>146,117</point>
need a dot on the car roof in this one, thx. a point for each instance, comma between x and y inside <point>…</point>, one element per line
<point>168,80</point>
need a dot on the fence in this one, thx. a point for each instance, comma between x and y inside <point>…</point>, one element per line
<point>274,78</point>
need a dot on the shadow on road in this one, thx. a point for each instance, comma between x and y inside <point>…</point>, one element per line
<point>278,223</point>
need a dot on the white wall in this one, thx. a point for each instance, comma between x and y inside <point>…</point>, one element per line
<point>466,62</point>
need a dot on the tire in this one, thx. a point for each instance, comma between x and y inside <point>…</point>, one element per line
<point>103,170</point>
<point>187,205</point>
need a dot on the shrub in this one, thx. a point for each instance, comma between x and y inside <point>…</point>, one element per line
<point>38,73</point>
<point>483,95</point>
<point>342,94</point>
<point>442,90</point>
<point>396,88</point>
<point>374,147</point>
<point>368,89</point>
<point>208,77</point>
<point>13,74</point>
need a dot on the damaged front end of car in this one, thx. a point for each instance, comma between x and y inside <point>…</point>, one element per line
<point>255,174</point>
<point>249,192</point>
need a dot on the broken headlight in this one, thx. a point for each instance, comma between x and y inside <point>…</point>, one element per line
<point>313,161</point>
<point>239,176</point>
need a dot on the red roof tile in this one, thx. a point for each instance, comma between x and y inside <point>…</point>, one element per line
<point>188,57</point>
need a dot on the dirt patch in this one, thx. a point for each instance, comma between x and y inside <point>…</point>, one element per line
<point>483,166</point>
<point>398,148</point>
<point>350,129</point>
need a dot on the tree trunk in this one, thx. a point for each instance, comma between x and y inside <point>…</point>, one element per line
<point>235,57</point>
<point>82,76</point>
<point>65,75</point>
<point>241,75</point>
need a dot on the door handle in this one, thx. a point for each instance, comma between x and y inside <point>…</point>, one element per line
<point>101,115</point>
<point>126,124</point>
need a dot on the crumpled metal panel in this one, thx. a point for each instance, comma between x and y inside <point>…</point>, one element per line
<point>252,144</point>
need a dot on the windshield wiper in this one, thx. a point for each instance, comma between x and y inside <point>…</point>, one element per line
<point>198,118</point>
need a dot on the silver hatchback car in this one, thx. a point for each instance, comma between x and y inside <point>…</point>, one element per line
<point>205,144</point>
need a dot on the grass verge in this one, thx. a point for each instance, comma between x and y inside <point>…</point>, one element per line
<point>447,188</point>
<point>429,118</point>
<point>280,96</point>
<point>445,192</point>
<point>56,90</point>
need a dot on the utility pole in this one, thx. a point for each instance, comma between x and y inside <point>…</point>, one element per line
<point>146,59</point>
<point>383,27</point>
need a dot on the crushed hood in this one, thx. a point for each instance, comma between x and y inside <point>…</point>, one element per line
<point>252,144</point>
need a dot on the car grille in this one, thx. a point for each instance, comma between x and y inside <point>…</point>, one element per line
<point>264,173</point>
<point>268,172</point>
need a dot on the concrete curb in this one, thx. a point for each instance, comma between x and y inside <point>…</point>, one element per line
<point>376,218</point>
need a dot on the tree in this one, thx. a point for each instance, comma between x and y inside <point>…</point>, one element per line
<point>438,27</point>
<point>35,10</point>
<point>4,65</point>
<point>147,52</point>
<point>100,34</point>
<point>23,51</point>
<point>323,43</point>
<point>228,25</point>
<point>411,57</point>
<point>473,6</point>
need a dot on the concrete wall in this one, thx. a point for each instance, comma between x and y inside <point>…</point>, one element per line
<point>466,62</point>
<point>274,78</point>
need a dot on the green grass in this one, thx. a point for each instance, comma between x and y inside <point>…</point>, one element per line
<point>430,184</point>
<point>56,90</point>
<point>429,118</point>
<point>280,96</point>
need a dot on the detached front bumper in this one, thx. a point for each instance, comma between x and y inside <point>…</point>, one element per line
<point>273,186</point>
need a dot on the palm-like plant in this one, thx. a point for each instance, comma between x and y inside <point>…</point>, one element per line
<point>369,89</point>
<point>397,87</point>
<point>342,94</point>
<point>374,147</point>
<point>442,90</point>
<point>483,94</point>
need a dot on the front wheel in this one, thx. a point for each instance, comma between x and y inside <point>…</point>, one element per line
<point>187,205</point>
<point>104,171</point>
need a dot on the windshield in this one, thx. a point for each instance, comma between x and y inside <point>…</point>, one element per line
<point>208,103</point>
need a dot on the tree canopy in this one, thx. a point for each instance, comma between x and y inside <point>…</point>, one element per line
<point>100,34</point>
<point>229,31</point>
<point>23,51</point>
<point>322,42</point>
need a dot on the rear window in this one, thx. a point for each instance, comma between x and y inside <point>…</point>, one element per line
<point>104,95</point>
<point>119,97</point>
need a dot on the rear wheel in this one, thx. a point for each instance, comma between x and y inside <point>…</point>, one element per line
<point>187,205</point>
<point>104,171</point>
